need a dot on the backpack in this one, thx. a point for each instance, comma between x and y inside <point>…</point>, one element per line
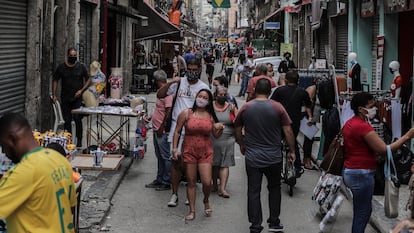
<point>331,126</point>
<point>326,93</point>
<point>229,62</point>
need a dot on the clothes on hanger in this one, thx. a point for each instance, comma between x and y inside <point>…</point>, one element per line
<point>396,118</point>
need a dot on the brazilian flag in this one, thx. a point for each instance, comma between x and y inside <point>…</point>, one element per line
<point>221,3</point>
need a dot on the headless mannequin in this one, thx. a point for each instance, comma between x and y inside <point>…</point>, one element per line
<point>155,58</point>
<point>354,72</point>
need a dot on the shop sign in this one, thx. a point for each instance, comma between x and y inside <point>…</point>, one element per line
<point>364,75</point>
<point>284,47</point>
<point>380,46</point>
<point>221,40</point>
<point>320,64</point>
<point>271,25</point>
<point>392,6</point>
<point>367,8</point>
<point>380,61</point>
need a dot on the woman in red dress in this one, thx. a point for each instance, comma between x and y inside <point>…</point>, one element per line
<point>199,123</point>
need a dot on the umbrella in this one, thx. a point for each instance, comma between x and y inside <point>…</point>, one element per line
<point>239,40</point>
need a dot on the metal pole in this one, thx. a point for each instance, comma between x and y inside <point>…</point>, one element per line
<point>105,37</point>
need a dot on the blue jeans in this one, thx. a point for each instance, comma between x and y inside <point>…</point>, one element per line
<point>243,86</point>
<point>361,182</point>
<point>162,152</point>
<point>254,186</point>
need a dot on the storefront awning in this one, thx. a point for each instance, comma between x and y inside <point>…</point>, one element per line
<point>158,26</point>
<point>316,14</point>
<point>128,12</point>
<point>193,34</point>
<point>273,14</point>
<point>189,23</point>
<point>265,19</point>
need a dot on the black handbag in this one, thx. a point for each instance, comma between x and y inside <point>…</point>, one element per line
<point>402,160</point>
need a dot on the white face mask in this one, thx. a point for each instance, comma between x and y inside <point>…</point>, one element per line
<point>201,103</point>
<point>371,112</point>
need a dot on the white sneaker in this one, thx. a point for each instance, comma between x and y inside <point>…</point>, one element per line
<point>187,202</point>
<point>173,200</point>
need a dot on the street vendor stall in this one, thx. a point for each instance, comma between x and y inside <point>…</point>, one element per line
<point>119,133</point>
<point>108,125</point>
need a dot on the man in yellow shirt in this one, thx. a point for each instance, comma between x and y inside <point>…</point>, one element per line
<point>37,194</point>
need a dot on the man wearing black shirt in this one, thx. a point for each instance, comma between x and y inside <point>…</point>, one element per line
<point>293,98</point>
<point>210,60</point>
<point>74,80</point>
<point>287,64</point>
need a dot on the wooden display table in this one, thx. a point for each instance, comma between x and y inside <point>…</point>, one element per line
<point>85,162</point>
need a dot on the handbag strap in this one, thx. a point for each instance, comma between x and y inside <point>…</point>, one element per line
<point>175,96</point>
<point>388,162</point>
<point>337,138</point>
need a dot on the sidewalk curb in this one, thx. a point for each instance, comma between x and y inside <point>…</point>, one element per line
<point>378,219</point>
<point>96,201</point>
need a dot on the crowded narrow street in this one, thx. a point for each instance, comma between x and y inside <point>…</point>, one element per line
<point>206,116</point>
<point>136,209</point>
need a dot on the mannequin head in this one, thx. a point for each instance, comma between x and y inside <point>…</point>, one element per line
<point>394,67</point>
<point>352,57</point>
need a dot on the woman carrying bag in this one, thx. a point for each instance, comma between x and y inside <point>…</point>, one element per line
<point>362,145</point>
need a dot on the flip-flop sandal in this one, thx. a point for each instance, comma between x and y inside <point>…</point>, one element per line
<point>224,195</point>
<point>190,217</point>
<point>208,212</point>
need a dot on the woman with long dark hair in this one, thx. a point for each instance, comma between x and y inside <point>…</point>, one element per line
<point>197,150</point>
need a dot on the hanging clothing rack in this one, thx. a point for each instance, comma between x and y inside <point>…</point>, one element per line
<point>378,94</point>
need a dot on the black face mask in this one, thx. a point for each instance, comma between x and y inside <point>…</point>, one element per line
<point>72,60</point>
<point>193,75</point>
<point>221,99</point>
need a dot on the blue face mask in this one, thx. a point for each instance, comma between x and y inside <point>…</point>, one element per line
<point>193,75</point>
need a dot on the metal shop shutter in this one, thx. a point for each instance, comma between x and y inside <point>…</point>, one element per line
<point>341,42</point>
<point>13,36</point>
<point>85,34</point>
<point>322,35</point>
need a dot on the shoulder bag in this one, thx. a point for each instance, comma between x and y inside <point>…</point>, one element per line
<point>392,186</point>
<point>333,160</point>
